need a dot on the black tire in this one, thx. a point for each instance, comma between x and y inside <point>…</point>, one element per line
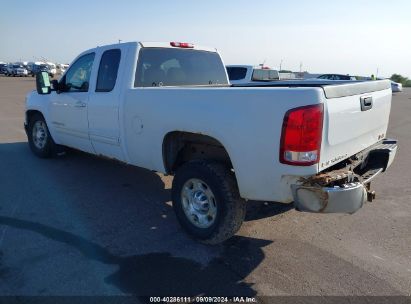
<point>49,147</point>
<point>231,208</point>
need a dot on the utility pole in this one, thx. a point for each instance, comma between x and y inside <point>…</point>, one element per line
<point>119,41</point>
<point>281,64</point>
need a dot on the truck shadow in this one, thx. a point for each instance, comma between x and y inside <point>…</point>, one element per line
<point>255,209</point>
<point>258,210</point>
<point>161,274</point>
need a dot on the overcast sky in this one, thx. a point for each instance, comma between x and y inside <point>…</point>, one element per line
<point>350,37</point>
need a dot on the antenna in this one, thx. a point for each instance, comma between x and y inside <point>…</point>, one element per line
<point>262,64</point>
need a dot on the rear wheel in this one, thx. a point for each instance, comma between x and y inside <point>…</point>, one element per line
<point>207,202</point>
<point>39,137</point>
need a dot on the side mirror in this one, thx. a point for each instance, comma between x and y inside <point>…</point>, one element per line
<point>43,83</point>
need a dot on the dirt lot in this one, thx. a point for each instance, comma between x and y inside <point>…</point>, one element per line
<point>80,225</point>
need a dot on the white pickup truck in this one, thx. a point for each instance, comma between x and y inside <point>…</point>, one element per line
<point>169,107</point>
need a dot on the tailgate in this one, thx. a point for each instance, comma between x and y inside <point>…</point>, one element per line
<point>355,117</point>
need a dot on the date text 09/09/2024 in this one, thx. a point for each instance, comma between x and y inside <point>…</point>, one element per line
<point>203,299</point>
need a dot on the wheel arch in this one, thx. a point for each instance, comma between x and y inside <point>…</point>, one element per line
<point>31,112</point>
<point>178,147</point>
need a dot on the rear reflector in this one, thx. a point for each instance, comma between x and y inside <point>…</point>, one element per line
<point>184,45</point>
<point>301,136</point>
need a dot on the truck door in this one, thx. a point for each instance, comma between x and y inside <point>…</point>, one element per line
<point>68,109</point>
<point>103,114</point>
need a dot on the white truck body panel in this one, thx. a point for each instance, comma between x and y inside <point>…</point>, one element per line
<point>224,114</point>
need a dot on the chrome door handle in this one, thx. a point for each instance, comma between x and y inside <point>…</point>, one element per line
<point>80,104</point>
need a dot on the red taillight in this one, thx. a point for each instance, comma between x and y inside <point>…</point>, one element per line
<point>301,136</point>
<point>184,45</point>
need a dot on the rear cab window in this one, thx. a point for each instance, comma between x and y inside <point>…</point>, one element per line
<point>157,67</point>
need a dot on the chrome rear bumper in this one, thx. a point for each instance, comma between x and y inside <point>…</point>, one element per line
<point>348,197</point>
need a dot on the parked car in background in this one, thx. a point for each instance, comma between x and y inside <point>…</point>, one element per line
<point>52,69</point>
<point>9,69</point>
<point>15,69</point>
<point>61,68</point>
<point>241,74</point>
<point>36,68</point>
<point>30,67</point>
<point>20,70</point>
<point>336,77</point>
<point>396,87</point>
<point>3,68</point>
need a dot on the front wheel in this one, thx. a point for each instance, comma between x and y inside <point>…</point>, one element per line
<point>207,202</point>
<point>40,141</point>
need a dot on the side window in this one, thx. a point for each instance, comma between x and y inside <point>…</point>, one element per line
<point>77,78</point>
<point>107,72</point>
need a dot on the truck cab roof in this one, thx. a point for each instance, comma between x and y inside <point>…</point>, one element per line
<point>153,44</point>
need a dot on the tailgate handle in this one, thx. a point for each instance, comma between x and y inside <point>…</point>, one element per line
<point>366,103</point>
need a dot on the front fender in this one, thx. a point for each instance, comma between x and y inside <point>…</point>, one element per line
<point>40,103</point>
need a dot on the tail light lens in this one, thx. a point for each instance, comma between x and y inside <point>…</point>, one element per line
<point>301,136</point>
